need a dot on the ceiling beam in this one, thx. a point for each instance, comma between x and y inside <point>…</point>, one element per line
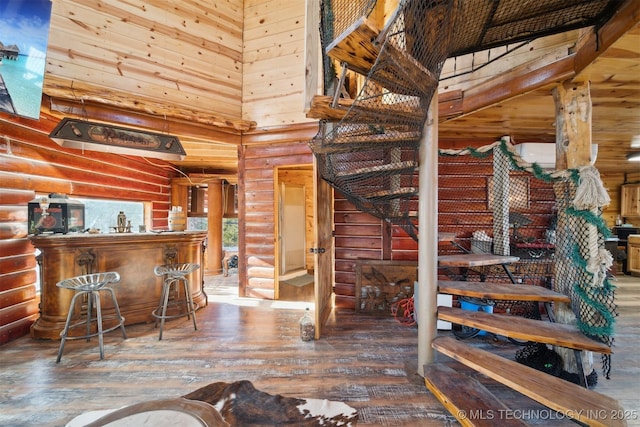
<point>594,43</point>
<point>529,77</point>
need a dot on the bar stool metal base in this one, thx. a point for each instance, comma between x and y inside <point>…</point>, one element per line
<point>175,275</point>
<point>91,285</point>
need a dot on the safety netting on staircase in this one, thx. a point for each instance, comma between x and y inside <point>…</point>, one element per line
<point>493,201</point>
<point>368,144</point>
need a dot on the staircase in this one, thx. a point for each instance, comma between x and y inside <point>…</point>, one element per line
<point>368,149</point>
<point>454,389</point>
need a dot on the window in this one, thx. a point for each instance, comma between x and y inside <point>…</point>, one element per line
<point>230,233</point>
<point>229,230</point>
<point>103,214</point>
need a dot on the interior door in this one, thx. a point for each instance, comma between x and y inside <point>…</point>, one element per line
<point>323,257</point>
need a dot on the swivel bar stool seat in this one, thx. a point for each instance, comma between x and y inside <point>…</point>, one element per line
<point>90,285</point>
<point>174,275</point>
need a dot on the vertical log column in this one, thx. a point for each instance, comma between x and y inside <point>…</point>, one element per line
<point>179,195</point>
<point>573,150</point>
<point>428,239</point>
<point>214,220</point>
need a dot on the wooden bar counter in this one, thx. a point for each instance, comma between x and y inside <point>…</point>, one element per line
<point>133,255</point>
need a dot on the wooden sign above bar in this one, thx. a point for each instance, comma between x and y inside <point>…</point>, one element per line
<point>112,139</point>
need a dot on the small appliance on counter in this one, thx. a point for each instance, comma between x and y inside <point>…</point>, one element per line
<point>55,214</point>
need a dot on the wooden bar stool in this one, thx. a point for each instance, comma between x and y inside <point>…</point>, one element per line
<point>90,285</point>
<point>174,275</point>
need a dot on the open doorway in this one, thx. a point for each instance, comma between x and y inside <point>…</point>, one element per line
<point>295,261</point>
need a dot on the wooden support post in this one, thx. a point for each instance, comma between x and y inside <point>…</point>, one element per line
<point>428,239</point>
<point>179,195</point>
<point>214,220</point>
<point>573,125</point>
<point>573,150</point>
<point>312,53</point>
<point>383,11</point>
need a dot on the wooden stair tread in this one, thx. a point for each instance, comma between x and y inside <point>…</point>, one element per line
<point>475,260</point>
<point>391,194</point>
<point>572,400</point>
<point>322,109</point>
<point>391,137</point>
<point>524,329</point>
<point>403,74</point>
<point>342,148</point>
<point>368,142</point>
<point>389,167</point>
<point>358,46</point>
<point>370,111</point>
<point>461,394</point>
<point>501,291</point>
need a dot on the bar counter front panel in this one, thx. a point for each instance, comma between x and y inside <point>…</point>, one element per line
<point>132,255</point>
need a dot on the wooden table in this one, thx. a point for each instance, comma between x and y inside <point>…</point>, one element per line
<point>479,260</point>
<point>446,237</point>
<point>475,260</point>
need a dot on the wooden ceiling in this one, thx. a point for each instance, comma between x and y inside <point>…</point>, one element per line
<point>614,78</point>
<point>179,69</point>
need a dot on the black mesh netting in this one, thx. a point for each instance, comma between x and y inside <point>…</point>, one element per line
<point>391,60</point>
<point>382,68</point>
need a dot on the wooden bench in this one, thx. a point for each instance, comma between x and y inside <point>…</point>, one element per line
<point>468,260</point>
<point>475,260</point>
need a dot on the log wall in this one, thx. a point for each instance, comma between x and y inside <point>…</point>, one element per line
<point>463,199</point>
<point>31,163</point>
<point>360,236</point>
<point>357,235</point>
<point>261,155</point>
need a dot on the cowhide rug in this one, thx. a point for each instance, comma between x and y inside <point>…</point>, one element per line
<point>241,404</point>
<point>238,403</point>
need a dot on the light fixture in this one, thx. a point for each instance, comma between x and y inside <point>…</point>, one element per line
<point>83,135</point>
<point>634,157</point>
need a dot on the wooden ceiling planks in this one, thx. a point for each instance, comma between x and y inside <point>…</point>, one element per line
<point>144,59</point>
<point>528,115</point>
<point>233,66</point>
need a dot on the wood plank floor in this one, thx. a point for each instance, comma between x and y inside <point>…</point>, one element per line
<point>367,362</point>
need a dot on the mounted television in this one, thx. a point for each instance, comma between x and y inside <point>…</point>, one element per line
<point>24,32</point>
